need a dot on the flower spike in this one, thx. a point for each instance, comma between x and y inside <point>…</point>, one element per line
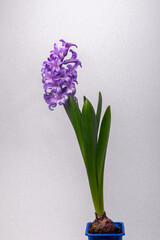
<point>59,76</point>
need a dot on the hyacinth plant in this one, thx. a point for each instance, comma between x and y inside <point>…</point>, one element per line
<point>59,77</point>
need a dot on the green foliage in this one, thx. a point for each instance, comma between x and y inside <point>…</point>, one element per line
<point>99,109</point>
<point>75,117</point>
<point>92,141</point>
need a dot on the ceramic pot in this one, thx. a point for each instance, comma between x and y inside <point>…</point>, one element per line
<point>115,236</point>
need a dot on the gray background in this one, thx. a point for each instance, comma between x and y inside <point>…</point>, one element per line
<point>44,190</point>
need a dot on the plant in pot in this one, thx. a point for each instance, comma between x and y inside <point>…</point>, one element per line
<point>59,77</point>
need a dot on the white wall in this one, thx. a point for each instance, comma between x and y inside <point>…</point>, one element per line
<point>44,191</point>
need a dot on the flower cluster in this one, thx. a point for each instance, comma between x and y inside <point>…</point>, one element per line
<point>59,75</point>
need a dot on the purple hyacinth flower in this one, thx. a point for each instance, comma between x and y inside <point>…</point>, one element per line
<point>59,75</point>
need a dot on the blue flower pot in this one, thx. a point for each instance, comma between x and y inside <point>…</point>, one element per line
<point>116,236</point>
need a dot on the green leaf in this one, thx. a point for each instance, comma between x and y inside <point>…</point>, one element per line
<point>75,117</point>
<point>101,152</point>
<point>89,126</point>
<point>102,145</point>
<point>89,129</point>
<point>99,108</point>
